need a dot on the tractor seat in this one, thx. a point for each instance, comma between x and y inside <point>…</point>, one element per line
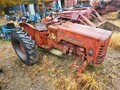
<point>10,26</point>
<point>40,26</point>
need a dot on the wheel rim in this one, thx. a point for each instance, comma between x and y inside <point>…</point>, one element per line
<point>20,50</point>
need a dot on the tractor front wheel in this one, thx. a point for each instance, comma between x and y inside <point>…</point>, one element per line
<point>24,46</point>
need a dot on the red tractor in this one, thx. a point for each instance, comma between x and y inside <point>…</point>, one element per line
<point>87,16</point>
<point>88,43</point>
<point>83,15</point>
<point>105,6</point>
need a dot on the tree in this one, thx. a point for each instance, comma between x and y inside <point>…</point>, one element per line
<point>43,7</point>
<point>7,3</point>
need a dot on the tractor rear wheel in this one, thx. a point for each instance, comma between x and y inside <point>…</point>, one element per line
<point>24,46</point>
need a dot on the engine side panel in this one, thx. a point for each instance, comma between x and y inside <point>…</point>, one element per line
<point>77,37</point>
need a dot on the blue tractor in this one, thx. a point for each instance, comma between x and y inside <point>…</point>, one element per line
<point>11,15</point>
<point>31,18</point>
<point>5,30</point>
<point>34,18</point>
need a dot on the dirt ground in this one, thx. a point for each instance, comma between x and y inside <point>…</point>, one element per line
<point>43,75</point>
<point>16,75</point>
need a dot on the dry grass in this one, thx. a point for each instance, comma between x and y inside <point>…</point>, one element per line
<point>2,20</point>
<point>62,78</point>
<point>85,82</point>
<point>88,82</point>
<point>65,83</point>
<point>57,76</point>
<point>115,41</point>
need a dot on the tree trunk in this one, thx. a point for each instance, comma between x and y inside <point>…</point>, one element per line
<point>43,7</point>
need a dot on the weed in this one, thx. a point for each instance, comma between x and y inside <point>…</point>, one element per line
<point>115,41</point>
<point>65,83</point>
<point>88,82</point>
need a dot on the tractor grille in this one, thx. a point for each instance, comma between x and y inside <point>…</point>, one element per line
<point>101,54</point>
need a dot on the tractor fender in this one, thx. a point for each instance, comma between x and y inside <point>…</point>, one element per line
<point>29,29</point>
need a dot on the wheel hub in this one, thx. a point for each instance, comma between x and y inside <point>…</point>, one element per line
<point>22,48</point>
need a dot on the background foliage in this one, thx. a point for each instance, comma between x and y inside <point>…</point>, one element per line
<point>7,3</point>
